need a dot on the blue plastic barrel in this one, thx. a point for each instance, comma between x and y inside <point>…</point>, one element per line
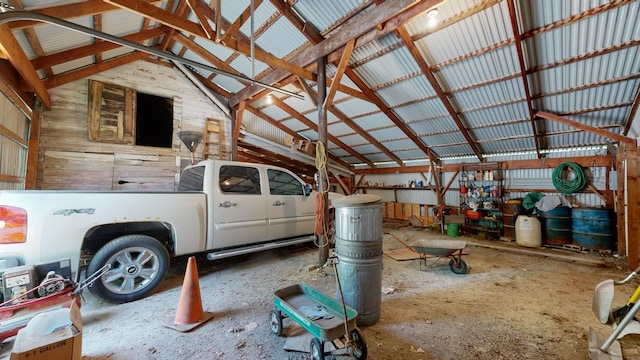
<point>593,228</point>
<point>556,226</point>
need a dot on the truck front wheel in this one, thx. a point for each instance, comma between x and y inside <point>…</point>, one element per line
<point>138,264</point>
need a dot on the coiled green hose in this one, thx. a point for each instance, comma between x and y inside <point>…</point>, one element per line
<point>569,186</point>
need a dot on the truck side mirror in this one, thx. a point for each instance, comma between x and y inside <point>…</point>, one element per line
<point>307,189</point>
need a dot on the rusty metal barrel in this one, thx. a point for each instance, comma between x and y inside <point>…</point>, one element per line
<point>358,239</point>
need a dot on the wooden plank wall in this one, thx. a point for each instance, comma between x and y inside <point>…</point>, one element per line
<point>403,211</point>
<point>67,159</point>
<point>14,129</point>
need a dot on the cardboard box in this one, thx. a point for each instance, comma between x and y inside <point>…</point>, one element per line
<point>60,344</point>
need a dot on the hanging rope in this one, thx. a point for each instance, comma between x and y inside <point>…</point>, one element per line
<point>321,166</point>
<point>566,185</point>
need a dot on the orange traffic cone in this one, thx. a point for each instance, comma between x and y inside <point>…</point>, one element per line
<point>189,314</point>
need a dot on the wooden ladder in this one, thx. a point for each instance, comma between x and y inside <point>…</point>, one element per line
<point>213,140</point>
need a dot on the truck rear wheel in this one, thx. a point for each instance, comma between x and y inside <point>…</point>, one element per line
<point>138,263</point>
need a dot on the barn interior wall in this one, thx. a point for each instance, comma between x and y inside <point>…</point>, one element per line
<point>14,130</point>
<point>67,159</point>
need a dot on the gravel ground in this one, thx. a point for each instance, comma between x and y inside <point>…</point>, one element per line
<point>507,306</point>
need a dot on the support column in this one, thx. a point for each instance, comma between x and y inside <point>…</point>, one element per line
<point>323,181</point>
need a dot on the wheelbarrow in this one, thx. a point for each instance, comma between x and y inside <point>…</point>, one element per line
<point>451,249</point>
<point>323,317</point>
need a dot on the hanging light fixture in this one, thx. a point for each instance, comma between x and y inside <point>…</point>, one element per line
<point>432,17</point>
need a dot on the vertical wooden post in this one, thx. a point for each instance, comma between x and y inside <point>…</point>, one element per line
<point>323,182</point>
<point>32,150</point>
<point>620,201</point>
<point>632,202</point>
<point>233,152</point>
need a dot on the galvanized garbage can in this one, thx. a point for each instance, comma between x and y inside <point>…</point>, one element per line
<point>358,238</point>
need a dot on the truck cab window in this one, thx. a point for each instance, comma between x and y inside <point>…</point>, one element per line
<point>239,179</point>
<point>282,183</point>
<point>192,179</point>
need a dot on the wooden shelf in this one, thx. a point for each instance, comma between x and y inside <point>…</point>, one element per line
<point>396,187</point>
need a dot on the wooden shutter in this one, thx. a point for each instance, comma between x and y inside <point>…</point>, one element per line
<point>111,113</point>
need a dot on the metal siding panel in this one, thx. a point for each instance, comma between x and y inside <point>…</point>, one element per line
<point>121,22</point>
<point>419,111</point>
<point>373,121</point>
<point>279,44</point>
<point>72,65</point>
<point>390,133</point>
<point>398,145</point>
<point>355,107</point>
<point>453,137</point>
<point>243,65</point>
<point>339,129</point>
<point>396,64</point>
<point>489,116</point>
<point>323,14</point>
<point>275,112</point>
<point>411,89</point>
<point>54,39</point>
<point>480,30</point>
<point>355,139</point>
<point>432,126</point>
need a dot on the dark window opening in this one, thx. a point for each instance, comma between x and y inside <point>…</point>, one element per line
<point>154,121</point>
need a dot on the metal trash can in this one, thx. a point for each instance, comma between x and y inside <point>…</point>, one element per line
<point>358,238</point>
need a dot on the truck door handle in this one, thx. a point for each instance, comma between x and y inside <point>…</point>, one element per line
<point>278,203</point>
<point>227,204</point>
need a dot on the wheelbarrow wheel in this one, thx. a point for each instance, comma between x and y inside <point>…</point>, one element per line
<point>359,349</point>
<point>459,268</point>
<point>275,322</point>
<point>317,349</point>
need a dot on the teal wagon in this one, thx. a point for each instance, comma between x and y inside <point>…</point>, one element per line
<point>323,317</point>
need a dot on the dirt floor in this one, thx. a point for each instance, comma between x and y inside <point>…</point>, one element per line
<point>509,305</point>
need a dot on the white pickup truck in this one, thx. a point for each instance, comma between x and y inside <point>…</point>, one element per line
<point>223,208</point>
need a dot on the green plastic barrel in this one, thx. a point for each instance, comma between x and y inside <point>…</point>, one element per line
<point>452,230</point>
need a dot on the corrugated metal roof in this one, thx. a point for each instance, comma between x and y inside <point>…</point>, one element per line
<point>324,14</point>
<point>581,58</point>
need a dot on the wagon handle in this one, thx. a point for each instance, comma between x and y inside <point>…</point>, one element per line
<point>335,260</point>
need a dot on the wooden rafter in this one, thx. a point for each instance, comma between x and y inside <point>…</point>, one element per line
<point>167,18</point>
<point>292,112</point>
<point>97,25</point>
<point>360,131</point>
<point>348,49</point>
<point>67,11</point>
<point>202,19</point>
<point>94,69</point>
<point>633,112</point>
<point>204,54</point>
<point>237,23</point>
<point>16,56</point>
<point>32,38</point>
<point>587,128</point>
<point>417,56</point>
<point>361,27</point>
<point>523,71</point>
<point>8,87</point>
<point>277,124</point>
<point>260,155</point>
<point>389,113</point>
<point>244,47</point>
<point>216,5</point>
<point>313,36</point>
<point>88,50</point>
<point>238,122</point>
